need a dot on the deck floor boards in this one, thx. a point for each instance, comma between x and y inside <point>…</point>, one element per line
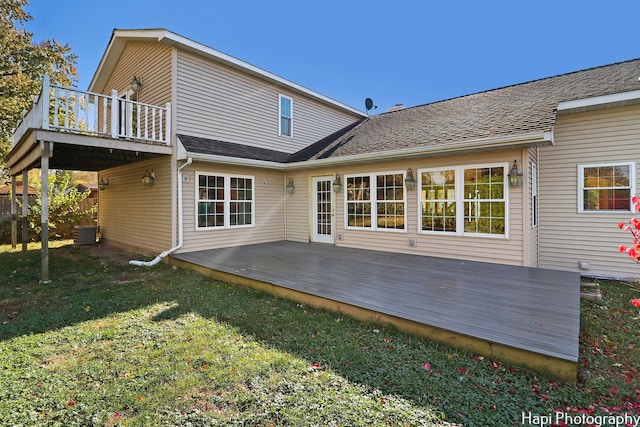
<point>531,309</point>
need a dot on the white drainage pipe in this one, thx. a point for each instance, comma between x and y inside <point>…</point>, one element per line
<point>157,259</point>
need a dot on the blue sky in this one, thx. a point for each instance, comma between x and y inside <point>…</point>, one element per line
<point>403,51</point>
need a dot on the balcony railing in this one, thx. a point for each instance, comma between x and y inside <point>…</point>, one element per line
<point>66,109</point>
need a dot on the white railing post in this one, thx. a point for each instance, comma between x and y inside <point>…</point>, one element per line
<point>167,123</point>
<point>44,99</point>
<point>115,115</point>
<point>105,107</point>
<point>146,121</point>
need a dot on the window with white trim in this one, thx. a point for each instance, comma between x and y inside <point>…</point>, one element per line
<point>224,201</point>
<point>606,187</point>
<point>375,201</point>
<point>464,200</point>
<point>285,126</point>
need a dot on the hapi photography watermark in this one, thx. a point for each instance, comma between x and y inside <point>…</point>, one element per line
<point>578,420</point>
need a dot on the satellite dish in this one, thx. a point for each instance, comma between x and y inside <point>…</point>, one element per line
<point>368,104</point>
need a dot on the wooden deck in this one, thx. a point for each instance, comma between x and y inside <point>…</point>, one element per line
<point>523,315</point>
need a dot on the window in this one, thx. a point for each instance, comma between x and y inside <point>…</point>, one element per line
<point>224,201</point>
<point>464,200</point>
<point>358,201</point>
<point>129,114</point>
<point>286,115</point>
<point>241,202</point>
<point>606,187</point>
<point>375,201</point>
<point>438,200</point>
<point>484,200</point>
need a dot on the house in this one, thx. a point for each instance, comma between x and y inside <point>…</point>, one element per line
<point>207,151</point>
<point>5,189</point>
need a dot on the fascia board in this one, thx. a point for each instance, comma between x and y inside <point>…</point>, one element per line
<point>120,37</point>
<point>599,102</point>
<point>235,161</point>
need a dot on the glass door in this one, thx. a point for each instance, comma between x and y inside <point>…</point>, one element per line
<point>322,210</point>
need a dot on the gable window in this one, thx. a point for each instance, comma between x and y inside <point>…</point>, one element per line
<point>286,116</point>
<point>375,201</point>
<point>224,201</point>
<point>464,200</point>
<point>606,187</point>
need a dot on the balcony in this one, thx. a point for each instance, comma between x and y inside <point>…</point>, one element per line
<point>91,131</point>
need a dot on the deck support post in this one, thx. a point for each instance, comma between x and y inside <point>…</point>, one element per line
<point>14,214</point>
<point>46,149</point>
<point>25,211</point>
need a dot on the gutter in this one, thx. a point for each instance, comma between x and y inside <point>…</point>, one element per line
<point>157,259</point>
<point>502,142</point>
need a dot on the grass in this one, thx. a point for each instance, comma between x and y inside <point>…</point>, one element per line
<point>110,344</point>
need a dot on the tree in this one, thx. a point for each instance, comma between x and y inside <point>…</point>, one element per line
<point>633,227</point>
<point>66,209</point>
<point>22,66</point>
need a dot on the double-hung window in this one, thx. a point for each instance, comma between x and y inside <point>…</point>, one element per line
<point>225,201</point>
<point>375,201</point>
<point>286,116</point>
<point>606,187</point>
<point>464,200</point>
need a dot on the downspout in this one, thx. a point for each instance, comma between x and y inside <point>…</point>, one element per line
<point>157,259</point>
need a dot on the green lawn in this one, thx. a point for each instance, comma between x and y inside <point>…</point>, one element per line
<point>107,343</point>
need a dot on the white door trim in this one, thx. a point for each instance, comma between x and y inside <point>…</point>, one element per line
<point>322,220</point>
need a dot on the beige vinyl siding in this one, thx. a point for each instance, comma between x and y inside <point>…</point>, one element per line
<point>532,238</point>
<point>489,249</point>
<point>132,215</point>
<point>221,103</point>
<point>269,221</point>
<point>566,236</point>
<point>298,205</point>
<point>149,61</point>
<point>152,63</point>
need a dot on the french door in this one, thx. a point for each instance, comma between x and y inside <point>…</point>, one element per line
<point>322,221</point>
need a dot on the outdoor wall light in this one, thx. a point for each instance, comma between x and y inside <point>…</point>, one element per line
<point>290,186</point>
<point>148,178</point>
<point>136,84</point>
<point>410,180</point>
<point>103,184</point>
<point>337,184</point>
<point>515,175</point>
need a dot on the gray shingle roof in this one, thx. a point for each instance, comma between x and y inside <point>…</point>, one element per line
<point>508,111</point>
<point>518,109</point>
<point>194,144</point>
